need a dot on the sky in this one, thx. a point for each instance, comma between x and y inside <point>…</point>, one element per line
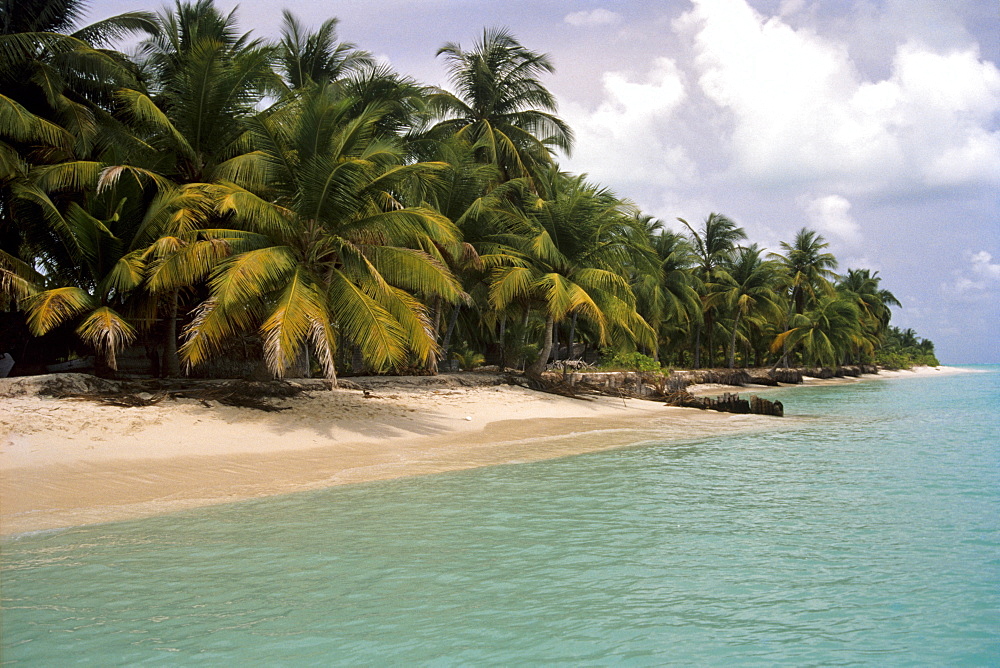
<point>874,122</point>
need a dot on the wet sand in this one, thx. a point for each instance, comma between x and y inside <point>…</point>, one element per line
<point>68,462</point>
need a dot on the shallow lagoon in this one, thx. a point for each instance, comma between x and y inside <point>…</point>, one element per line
<point>865,531</point>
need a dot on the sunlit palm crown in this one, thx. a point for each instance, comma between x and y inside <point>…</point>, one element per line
<point>332,246</point>
<point>501,103</point>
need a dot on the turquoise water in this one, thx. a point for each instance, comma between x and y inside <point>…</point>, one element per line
<point>867,532</point>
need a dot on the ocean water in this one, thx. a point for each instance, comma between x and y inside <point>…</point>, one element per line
<point>864,531</point>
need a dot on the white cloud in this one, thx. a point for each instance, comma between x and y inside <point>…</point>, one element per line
<point>984,266</point>
<point>801,112</point>
<point>625,139</point>
<point>595,17</point>
<point>789,7</point>
<point>831,215</point>
<point>978,276</point>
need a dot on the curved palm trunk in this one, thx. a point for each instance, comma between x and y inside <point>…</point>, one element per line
<point>432,359</point>
<point>543,355</point>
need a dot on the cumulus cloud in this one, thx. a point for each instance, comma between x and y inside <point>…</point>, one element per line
<point>594,17</point>
<point>789,7</point>
<point>984,266</point>
<point>980,274</point>
<point>831,215</point>
<point>625,139</point>
<point>801,112</point>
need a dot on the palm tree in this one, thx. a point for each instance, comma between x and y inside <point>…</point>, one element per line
<point>746,286</point>
<point>56,126</point>
<point>309,59</point>
<point>825,332</point>
<point>205,80</point>
<point>336,254</point>
<point>63,76</point>
<point>809,270</point>
<point>462,191</point>
<point>501,105</point>
<point>863,285</point>
<point>55,99</point>
<point>575,248</point>
<point>712,246</point>
<point>667,295</point>
<point>873,302</point>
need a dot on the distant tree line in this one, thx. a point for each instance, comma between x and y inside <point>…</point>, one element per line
<point>218,196</point>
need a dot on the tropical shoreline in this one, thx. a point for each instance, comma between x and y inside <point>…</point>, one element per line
<point>65,463</point>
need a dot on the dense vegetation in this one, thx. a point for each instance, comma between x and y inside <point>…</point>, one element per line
<point>219,198</point>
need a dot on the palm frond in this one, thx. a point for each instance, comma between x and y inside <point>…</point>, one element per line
<point>50,308</point>
<point>108,332</point>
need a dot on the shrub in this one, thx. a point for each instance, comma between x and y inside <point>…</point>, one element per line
<point>468,359</point>
<point>634,361</point>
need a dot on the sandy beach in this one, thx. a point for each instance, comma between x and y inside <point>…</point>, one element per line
<point>67,462</point>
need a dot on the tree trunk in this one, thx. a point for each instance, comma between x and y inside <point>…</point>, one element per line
<point>710,333</point>
<point>299,368</point>
<point>452,322</point>
<point>503,344</point>
<point>572,337</point>
<point>524,325</point>
<point>171,364</point>
<point>524,335</point>
<point>554,355</point>
<point>732,341</point>
<point>697,346</point>
<point>543,354</point>
<point>436,320</point>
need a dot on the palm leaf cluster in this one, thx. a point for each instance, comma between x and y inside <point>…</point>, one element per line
<point>296,203</point>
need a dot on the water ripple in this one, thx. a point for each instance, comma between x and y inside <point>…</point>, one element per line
<point>866,532</point>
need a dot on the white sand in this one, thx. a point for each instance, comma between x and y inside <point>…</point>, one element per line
<point>67,462</point>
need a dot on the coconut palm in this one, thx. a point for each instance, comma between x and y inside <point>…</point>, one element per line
<point>746,286</point>
<point>462,192</point>
<point>98,286</point>
<point>501,105</point>
<point>809,270</point>
<point>205,80</point>
<point>55,95</point>
<point>713,245</point>
<point>308,59</point>
<point>825,332</point>
<point>576,248</point>
<point>863,285</point>
<point>873,302</point>
<point>337,254</point>
<point>667,295</point>
<point>402,102</point>
<point>58,70</point>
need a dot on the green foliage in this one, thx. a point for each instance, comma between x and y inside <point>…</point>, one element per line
<point>632,361</point>
<point>468,359</point>
<point>298,196</point>
<point>903,349</point>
